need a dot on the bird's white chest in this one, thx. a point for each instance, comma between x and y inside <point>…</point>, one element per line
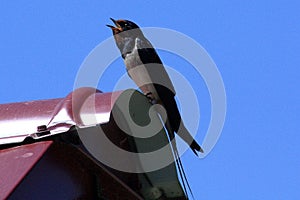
<point>132,59</point>
<point>139,73</point>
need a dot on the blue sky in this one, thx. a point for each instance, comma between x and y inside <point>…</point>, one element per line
<point>254,44</point>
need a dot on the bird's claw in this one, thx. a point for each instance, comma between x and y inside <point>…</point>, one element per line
<point>150,98</point>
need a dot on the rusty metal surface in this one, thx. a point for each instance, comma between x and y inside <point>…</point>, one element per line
<point>38,119</point>
<point>16,162</point>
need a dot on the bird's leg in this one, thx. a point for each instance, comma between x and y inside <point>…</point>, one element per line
<point>151,98</point>
<point>148,95</point>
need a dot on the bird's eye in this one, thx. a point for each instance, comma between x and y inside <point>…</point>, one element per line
<point>125,24</point>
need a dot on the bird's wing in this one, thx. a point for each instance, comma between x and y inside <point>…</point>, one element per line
<point>166,93</point>
<point>146,51</point>
<point>153,65</point>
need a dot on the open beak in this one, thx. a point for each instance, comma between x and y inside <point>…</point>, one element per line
<point>115,22</point>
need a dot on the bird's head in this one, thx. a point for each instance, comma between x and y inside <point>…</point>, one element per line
<point>125,32</point>
<point>122,25</point>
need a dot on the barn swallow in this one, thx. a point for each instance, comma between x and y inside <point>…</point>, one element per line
<point>146,69</point>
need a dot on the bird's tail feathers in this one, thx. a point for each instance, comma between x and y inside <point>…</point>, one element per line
<point>196,147</point>
<point>188,138</point>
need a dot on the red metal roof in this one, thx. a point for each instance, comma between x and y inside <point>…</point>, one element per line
<point>16,163</point>
<point>42,118</point>
<point>84,108</point>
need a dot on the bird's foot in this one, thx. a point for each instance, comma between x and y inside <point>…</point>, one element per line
<point>150,98</point>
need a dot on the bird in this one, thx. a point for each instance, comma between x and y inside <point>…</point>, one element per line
<point>146,69</point>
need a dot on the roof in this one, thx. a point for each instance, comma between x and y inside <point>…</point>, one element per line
<point>38,119</point>
<point>16,163</point>
<point>84,108</point>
